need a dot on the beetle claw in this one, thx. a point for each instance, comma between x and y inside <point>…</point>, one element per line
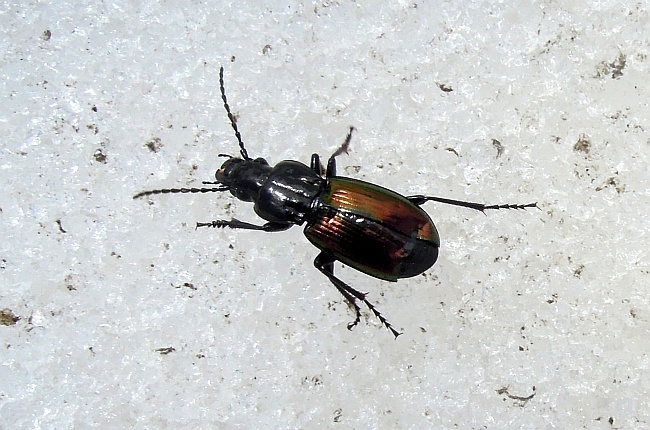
<point>354,323</point>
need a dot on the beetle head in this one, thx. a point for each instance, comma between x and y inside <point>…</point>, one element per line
<point>244,177</point>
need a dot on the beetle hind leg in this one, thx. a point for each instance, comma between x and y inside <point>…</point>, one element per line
<point>419,200</point>
<point>331,163</point>
<point>325,264</point>
<point>330,172</point>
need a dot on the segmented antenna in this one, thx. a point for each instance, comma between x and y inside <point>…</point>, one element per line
<point>182,190</point>
<point>231,117</point>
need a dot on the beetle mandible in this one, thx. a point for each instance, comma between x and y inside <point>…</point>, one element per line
<point>370,228</point>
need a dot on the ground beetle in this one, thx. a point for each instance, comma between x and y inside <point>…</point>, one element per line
<point>370,228</point>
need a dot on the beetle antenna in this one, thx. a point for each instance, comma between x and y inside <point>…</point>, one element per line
<point>180,190</point>
<point>231,117</point>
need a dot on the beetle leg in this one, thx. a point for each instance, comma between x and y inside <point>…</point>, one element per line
<point>420,200</point>
<point>352,302</point>
<point>235,223</point>
<point>325,263</point>
<point>316,165</point>
<point>331,163</point>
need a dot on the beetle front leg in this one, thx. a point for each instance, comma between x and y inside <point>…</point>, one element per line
<point>235,223</point>
<point>420,200</point>
<point>325,263</point>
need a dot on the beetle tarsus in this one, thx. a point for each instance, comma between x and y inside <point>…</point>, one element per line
<point>325,263</point>
<point>512,206</point>
<point>481,207</point>
<point>343,149</point>
<point>221,223</point>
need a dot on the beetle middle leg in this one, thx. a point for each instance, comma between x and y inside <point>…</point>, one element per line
<point>420,200</point>
<point>325,263</point>
<point>236,224</point>
<point>317,167</point>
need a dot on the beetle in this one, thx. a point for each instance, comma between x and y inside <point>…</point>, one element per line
<point>368,227</point>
